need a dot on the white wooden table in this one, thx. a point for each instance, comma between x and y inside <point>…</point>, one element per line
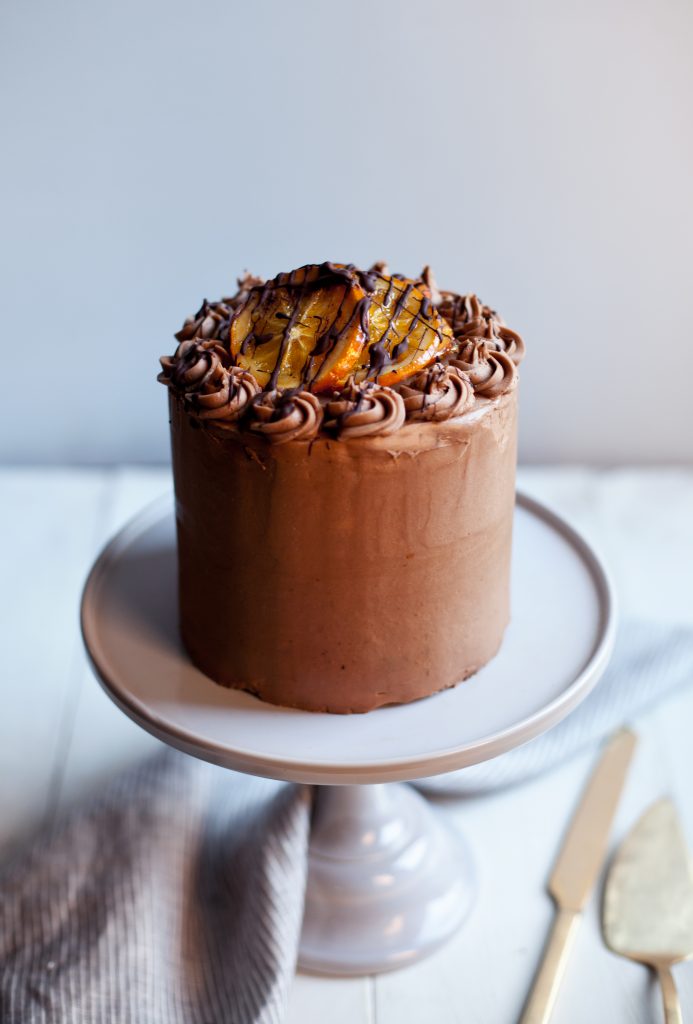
<point>60,737</point>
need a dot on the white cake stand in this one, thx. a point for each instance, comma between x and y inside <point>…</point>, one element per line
<point>388,880</point>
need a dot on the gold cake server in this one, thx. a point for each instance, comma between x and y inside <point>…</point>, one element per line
<point>576,869</point>
<point>648,899</point>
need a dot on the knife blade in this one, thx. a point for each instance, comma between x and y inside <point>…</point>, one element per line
<point>576,868</point>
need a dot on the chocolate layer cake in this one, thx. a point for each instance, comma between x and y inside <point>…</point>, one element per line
<point>344,447</point>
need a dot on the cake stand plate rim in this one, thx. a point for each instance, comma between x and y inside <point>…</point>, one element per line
<point>313,771</point>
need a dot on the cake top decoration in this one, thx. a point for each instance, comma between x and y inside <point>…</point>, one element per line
<point>380,347</point>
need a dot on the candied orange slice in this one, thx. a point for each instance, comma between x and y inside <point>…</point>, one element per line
<point>406,332</point>
<point>306,328</point>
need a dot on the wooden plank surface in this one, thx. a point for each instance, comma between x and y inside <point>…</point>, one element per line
<point>48,536</point>
<point>53,523</point>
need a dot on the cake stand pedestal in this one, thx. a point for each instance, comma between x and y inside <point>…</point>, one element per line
<point>388,879</point>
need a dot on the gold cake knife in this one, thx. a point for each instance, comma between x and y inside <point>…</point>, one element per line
<point>576,870</point>
<point>648,899</point>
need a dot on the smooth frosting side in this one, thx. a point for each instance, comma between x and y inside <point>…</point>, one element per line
<point>344,574</point>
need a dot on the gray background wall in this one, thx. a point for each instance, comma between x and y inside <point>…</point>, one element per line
<point>540,153</point>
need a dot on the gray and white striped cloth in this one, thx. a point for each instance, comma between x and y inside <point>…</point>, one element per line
<point>176,896</point>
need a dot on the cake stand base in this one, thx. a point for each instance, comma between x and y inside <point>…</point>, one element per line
<point>388,880</point>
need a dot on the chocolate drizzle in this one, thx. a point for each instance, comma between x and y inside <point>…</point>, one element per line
<point>378,358</point>
<point>297,287</point>
<point>330,339</point>
<point>284,344</point>
<point>436,348</point>
<point>412,299</point>
<point>378,352</point>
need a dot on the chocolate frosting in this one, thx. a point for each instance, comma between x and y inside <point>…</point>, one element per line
<point>213,319</point>
<point>365,410</point>
<point>437,393</point>
<point>470,318</point>
<point>462,310</point>
<point>483,323</point>
<point>509,342</point>
<point>492,373</point>
<point>481,363</point>
<point>429,282</point>
<point>210,389</point>
<point>282,416</point>
<point>196,361</point>
<point>225,396</point>
<point>365,573</point>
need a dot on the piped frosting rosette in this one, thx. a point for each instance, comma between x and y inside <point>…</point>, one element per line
<point>194,363</point>
<point>470,318</point>
<point>437,393</point>
<point>464,313</point>
<point>483,323</point>
<point>210,389</point>
<point>505,340</point>
<point>225,397</point>
<point>491,372</point>
<point>213,319</point>
<point>365,410</point>
<point>281,416</point>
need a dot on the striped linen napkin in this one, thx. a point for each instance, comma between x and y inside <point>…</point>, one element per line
<point>176,897</point>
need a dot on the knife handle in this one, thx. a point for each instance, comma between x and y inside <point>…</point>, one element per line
<point>670,997</point>
<point>541,999</point>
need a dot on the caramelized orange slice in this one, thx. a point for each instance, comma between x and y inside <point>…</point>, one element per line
<point>304,328</point>
<point>406,332</point>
